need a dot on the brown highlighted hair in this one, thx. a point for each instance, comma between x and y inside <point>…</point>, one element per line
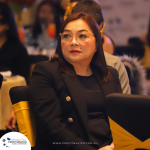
<point>98,61</point>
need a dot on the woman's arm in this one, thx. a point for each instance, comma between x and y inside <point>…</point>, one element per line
<point>46,107</point>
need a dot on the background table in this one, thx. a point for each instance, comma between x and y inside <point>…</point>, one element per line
<point>5,102</point>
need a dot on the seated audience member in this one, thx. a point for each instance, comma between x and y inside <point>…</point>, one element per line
<point>13,55</point>
<point>67,94</point>
<point>46,27</point>
<point>94,9</point>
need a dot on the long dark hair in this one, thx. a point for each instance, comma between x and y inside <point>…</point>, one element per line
<point>7,13</point>
<point>98,61</point>
<point>56,9</point>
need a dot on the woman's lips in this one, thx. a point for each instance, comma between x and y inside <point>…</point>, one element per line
<point>75,52</point>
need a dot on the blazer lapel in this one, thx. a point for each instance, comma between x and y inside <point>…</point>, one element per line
<point>75,89</point>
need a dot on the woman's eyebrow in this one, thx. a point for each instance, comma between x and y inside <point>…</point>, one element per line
<point>67,30</point>
<point>77,31</point>
<point>82,30</point>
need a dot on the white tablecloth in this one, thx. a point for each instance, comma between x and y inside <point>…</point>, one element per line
<point>5,102</point>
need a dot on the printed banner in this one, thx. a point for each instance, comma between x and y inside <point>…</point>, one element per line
<point>125,18</point>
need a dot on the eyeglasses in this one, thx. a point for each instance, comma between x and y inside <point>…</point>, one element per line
<point>102,29</point>
<point>81,37</point>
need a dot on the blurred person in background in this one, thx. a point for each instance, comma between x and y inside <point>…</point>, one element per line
<point>46,26</point>
<point>13,55</point>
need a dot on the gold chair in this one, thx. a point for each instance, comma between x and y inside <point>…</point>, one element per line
<point>25,119</point>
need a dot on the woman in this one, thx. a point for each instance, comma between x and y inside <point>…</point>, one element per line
<point>13,55</point>
<point>48,19</point>
<point>67,94</point>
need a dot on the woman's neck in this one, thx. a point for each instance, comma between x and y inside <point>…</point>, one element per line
<point>82,70</point>
<point>3,39</point>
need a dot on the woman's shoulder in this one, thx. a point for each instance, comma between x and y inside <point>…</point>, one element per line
<point>46,67</point>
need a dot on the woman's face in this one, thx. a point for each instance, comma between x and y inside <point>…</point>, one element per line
<point>46,12</point>
<point>78,42</point>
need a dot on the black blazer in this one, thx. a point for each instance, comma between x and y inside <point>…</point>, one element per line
<point>48,90</point>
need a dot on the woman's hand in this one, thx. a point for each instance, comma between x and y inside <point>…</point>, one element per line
<point>108,147</point>
<point>11,122</point>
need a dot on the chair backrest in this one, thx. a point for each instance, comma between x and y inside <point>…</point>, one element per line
<point>33,59</point>
<point>129,117</point>
<point>1,80</point>
<point>25,119</point>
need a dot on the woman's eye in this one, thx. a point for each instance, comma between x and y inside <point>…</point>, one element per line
<point>66,36</point>
<point>82,36</point>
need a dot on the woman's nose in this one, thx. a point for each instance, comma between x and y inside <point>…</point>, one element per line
<point>74,40</point>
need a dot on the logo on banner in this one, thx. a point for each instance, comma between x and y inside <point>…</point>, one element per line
<point>14,141</point>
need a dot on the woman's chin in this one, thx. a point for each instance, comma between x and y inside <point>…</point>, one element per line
<point>74,60</point>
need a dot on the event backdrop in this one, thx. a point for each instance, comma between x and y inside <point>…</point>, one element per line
<point>125,18</point>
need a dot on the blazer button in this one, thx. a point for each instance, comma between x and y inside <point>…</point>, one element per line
<point>70,119</point>
<point>68,98</point>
